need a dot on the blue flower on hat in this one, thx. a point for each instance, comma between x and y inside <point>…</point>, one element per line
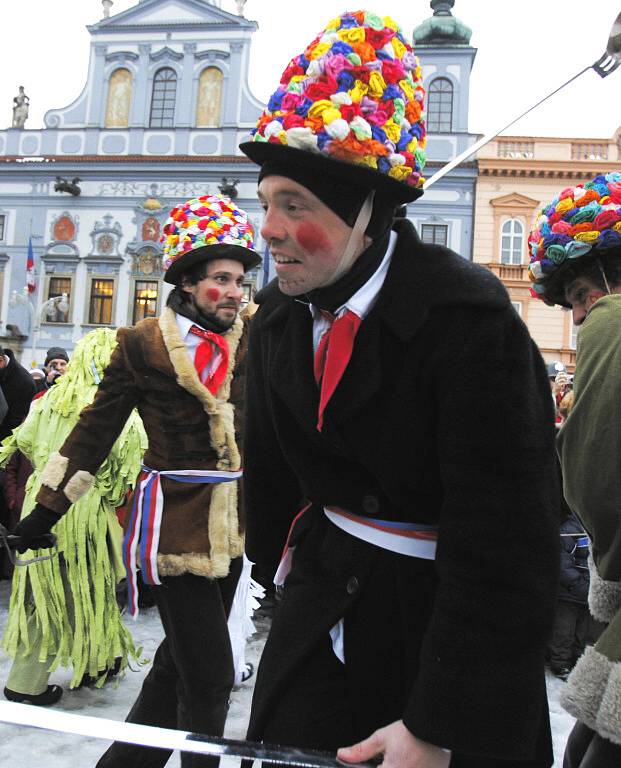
<point>348,21</point>
<point>341,47</point>
<point>274,102</point>
<point>609,238</point>
<point>345,81</point>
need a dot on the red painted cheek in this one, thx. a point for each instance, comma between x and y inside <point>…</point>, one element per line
<point>213,294</point>
<point>312,238</point>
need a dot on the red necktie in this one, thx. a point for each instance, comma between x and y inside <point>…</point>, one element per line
<point>332,356</point>
<point>204,355</point>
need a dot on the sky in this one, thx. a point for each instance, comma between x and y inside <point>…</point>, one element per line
<point>525,51</point>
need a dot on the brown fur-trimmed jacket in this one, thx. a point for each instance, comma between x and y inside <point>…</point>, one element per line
<point>187,427</point>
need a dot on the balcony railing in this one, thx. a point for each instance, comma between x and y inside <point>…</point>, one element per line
<point>516,149</point>
<point>509,271</point>
<point>582,151</point>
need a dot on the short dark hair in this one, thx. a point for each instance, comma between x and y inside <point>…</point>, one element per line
<point>588,267</point>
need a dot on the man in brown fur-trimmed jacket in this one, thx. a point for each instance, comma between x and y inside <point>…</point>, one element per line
<point>182,372</point>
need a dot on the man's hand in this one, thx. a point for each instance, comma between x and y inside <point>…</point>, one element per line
<point>39,522</point>
<point>399,748</point>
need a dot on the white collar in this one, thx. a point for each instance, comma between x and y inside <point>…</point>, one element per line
<point>363,301</point>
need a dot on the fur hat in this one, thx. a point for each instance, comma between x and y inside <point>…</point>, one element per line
<point>582,220</point>
<point>206,228</point>
<point>350,107</point>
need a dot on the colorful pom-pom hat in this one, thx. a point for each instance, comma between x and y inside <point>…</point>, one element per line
<point>350,106</point>
<point>581,220</point>
<point>206,228</point>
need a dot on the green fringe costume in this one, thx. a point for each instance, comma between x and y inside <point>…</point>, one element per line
<point>63,611</point>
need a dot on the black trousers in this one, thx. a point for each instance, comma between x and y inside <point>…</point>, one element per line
<point>587,749</point>
<point>189,684</point>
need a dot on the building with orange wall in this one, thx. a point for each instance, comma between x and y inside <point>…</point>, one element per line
<point>517,176</point>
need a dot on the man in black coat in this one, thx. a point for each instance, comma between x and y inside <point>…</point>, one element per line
<point>18,389</point>
<point>400,440</point>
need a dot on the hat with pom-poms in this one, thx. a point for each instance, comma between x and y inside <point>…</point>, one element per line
<point>581,220</point>
<point>350,107</point>
<point>206,228</point>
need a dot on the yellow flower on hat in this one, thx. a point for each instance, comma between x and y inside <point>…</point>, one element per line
<point>334,24</point>
<point>400,172</point>
<point>319,50</point>
<point>359,90</point>
<point>398,47</point>
<point>564,205</point>
<point>617,226</point>
<point>319,107</point>
<point>377,85</point>
<point>330,115</point>
<point>352,35</point>
<point>369,160</point>
<point>390,23</point>
<point>392,130</point>
<point>412,145</point>
<point>587,237</point>
<point>407,89</point>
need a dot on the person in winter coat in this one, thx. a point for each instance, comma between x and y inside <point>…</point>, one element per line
<point>18,389</point>
<point>576,263</point>
<point>574,627</point>
<point>413,623</point>
<point>16,475</point>
<point>63,610</point>
<point>183,372</point>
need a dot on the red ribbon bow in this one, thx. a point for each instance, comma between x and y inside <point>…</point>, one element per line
<point>205,351</point>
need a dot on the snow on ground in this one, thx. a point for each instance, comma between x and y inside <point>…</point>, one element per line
<point>22,747</point>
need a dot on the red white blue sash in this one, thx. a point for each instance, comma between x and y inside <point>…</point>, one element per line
<point>411,539</point>
<point>143,531</point>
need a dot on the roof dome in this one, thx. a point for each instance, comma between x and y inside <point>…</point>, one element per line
<point>442,28</point>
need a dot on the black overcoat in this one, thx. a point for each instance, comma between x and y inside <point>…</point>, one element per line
<point>443,417</point>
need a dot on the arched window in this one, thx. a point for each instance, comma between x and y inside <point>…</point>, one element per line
<point>119,99</point>
<point>163,99</point>
<point>440,106</point>
<point>209,97</point>
<point>511,242</point>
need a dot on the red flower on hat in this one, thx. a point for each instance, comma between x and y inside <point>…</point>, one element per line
<point>605,220</point>
<point>322,89</point>
<point>584,226</point>
<point>292,121</point>
<point>379,37</point>
<point>202,224</point>
<point>293,68</point>
<point>361,73</point>
<point>349,111</point>
<point>614,192</point>
<point>393,71</point>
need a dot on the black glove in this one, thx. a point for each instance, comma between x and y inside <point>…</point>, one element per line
<point>33,526</point>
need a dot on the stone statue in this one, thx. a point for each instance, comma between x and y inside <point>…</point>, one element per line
<point>229,188</point>
<point>20,110</point>
<point>240,7</point>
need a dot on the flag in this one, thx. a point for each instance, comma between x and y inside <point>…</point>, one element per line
<point>30,274</point>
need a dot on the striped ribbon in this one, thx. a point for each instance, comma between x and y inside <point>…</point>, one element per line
<point>143,531</point>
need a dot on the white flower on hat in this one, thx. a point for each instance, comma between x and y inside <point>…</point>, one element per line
<point>536,270</point>
<point>361,128</point>
<point>396,159</point>
<point>315,68</point>
<point>340,98</point>
<point>579,192</point>
<point>301,138</point>
<point>273,128</point>
<point>338,129</point>
<point>388,50</point>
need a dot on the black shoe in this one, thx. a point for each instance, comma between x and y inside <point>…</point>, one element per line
<point>109,673</point>
<point>561,672</point>
<point>45,699</point>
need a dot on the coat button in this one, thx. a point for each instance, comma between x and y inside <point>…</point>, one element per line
<point>352,585</point>
<point>370,504</point>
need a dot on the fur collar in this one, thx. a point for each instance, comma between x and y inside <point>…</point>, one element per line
<point>218,408</point>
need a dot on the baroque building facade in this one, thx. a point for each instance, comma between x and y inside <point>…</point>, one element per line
<point>165,106</point>
<point>517,176</point>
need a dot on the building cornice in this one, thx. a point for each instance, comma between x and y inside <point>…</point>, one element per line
<point>545,169</point>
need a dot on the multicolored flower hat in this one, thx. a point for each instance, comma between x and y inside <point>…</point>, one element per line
<point>354,97</point>
<point>205,228</point>
<point>581,219</point>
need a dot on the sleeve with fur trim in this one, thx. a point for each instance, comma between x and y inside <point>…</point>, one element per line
<point>70,473</point>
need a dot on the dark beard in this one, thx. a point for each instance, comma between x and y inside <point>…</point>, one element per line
<point>182,303</point>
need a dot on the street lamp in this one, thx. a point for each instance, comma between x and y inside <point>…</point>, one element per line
<point>22,298</point>
<point>604,66</point>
